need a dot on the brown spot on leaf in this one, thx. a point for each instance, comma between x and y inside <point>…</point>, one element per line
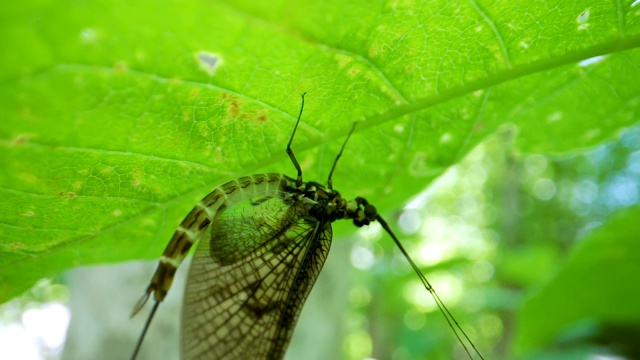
<point>187,115</point>
<point>374,51</point>
<point>195,92</point>
<point>15,246</point>
<point>20,139</point>
<point>233,105</point>
<point>262,115</point>
<point>120,67</point>
<point>137,176</point>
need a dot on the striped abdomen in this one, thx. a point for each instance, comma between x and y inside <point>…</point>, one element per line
<point>198,220</point>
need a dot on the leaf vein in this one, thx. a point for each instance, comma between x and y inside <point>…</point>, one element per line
<point>495,30</point>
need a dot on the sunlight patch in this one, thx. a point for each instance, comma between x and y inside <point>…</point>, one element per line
<point>88,35</point>
<point>556,116</point>
<point>593,60</point>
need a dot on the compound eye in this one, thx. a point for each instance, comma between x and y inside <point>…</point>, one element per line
<point>370,212</point>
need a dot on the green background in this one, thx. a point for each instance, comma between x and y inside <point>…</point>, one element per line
<point>112,127</point>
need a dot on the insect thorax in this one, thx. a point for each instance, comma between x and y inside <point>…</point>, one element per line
<point>327,205</point>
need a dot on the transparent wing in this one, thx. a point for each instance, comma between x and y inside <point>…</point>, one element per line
<point>248,281</point>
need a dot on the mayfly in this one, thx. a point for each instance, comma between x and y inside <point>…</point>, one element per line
<point>267,237</point>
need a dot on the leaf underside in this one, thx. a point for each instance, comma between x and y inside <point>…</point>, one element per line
<point>119,117</point>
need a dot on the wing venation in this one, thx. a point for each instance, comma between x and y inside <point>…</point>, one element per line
<point>249,279</point>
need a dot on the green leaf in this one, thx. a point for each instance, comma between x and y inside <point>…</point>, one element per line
<point>114,121</point>
<point>597,287</point>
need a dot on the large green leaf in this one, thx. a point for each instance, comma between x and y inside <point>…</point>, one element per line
<point>596,289</point>
<point>114,122</point>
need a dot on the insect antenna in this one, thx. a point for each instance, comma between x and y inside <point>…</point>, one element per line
<point>290,152</point>
<point>335,162</point>
<point>295,161</point>
<point>443,308</point>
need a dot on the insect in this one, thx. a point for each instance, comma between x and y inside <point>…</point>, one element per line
<point>267,237</point>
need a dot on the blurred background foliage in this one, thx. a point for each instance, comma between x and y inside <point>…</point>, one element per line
<point>539,254</point>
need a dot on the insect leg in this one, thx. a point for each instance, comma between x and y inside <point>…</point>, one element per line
<point>443,308</point>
